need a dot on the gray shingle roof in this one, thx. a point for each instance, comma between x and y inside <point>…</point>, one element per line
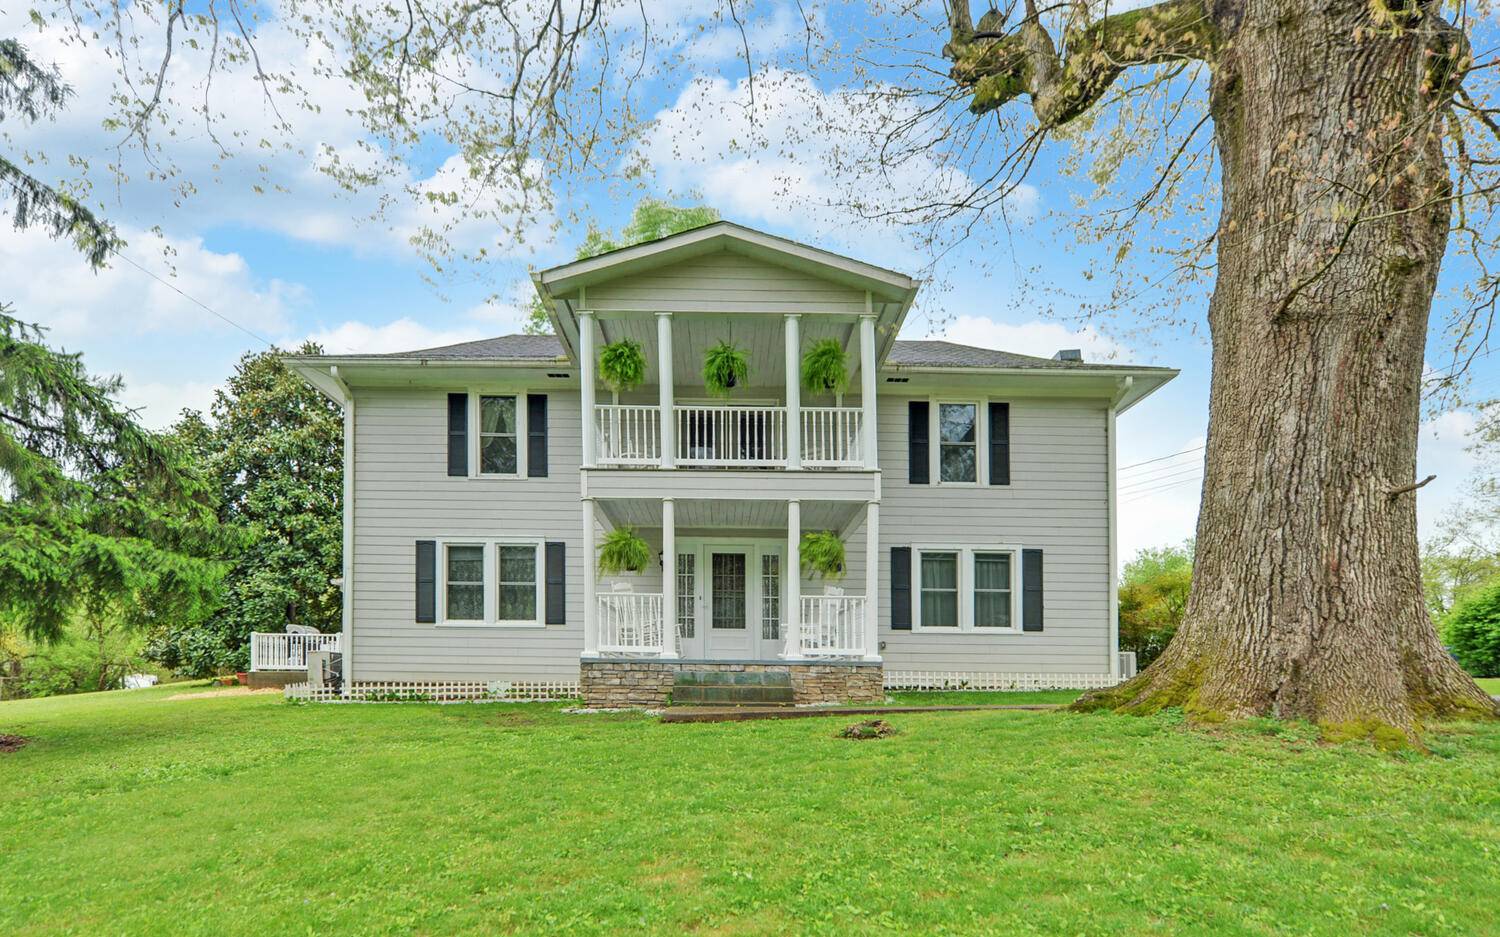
<point>503,347</point>
<point>923,353</point>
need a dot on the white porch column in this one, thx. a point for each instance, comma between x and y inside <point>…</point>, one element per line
<point>867,378</point>
<point>793,575</point>
<point>586,388</point>
<point>590,601</point>
<point>664,379</point>
<point>872,580</point>
<point>668,577</point>
<point>792,329</point>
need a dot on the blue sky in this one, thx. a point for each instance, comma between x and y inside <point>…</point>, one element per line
<point>298,263</point>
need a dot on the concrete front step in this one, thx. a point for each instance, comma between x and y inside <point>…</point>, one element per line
<point>732,688</point>
<point>732,677</point>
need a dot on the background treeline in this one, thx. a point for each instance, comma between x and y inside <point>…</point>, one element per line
<point>124,550</point>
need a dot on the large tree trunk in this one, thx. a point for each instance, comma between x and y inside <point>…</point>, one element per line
<point>1307,598</point>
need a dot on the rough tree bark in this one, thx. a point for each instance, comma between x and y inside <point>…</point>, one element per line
<point>1306,599</point>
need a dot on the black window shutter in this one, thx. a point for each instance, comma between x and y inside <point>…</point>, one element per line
<point>426,580</point>
<point>557,583</point>
<point>458,434</point>
<point>917,434</point>
<point>1031,590</point>
<point>901,587</point>
<point>999,444</point>
<point>536,436</point>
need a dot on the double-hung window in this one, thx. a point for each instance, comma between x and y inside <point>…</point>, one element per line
<point>967,589</point>
<point>958,442</point>
<point>492,582</point>
<point>499,436</point>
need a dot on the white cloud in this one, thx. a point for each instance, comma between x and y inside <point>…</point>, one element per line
<point>272,178</point>
<point>1042,339</point>
<point>48,283</point>
<point>404,334</point>
<point>159,404</point>
<point>786,160</point>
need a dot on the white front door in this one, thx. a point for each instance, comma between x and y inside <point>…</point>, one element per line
<point>730,602</point>
<point>729,599</point>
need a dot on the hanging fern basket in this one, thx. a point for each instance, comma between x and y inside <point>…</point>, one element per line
<point>623,551</point>
<point>822,554</point>
<point>825,368</point>
<point>622,365</point>
<point>724,368</point>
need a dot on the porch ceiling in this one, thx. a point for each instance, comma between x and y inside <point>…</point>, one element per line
<point>713,514</point>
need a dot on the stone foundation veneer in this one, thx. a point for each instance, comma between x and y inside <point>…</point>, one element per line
<point>625,683</point>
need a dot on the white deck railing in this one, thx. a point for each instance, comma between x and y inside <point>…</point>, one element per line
<point>832,626</point>
<point>630,622</point>
<point>627,435</point>
<point>731,436</point>
<point>287,651</point>
<point>831,437</point>
<point>728,436</point>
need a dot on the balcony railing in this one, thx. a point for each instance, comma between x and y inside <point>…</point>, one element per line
<point>628,435</point>
<point>832,626</point>
<point>271,651</point>
<point>728,436</point>
<point>630,622</point>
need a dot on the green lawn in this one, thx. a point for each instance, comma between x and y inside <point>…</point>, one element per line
<point>132,814</point>
<point>1491,685</point>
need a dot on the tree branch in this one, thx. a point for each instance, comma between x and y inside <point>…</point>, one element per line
<point>997,66</point>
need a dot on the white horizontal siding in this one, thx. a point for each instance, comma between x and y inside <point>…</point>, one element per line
<point>402,494</point>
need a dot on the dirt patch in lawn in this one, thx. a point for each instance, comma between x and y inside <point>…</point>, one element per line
<point>11,743</point>
<point>231,691</point>
<point>869,729</point>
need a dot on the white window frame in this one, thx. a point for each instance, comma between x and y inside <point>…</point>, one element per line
<point>981,440</point>
<point>474,438</point>
<point>966,581</point>
<point>492,582</point>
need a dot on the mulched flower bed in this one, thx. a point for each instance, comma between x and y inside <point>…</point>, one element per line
<point>10,743</point>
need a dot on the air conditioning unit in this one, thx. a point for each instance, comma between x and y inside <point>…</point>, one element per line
<point>325,670</point>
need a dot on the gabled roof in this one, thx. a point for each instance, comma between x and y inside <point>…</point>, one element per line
<point>924,353</point>
<point>499,348</point>
<point>930,353</point>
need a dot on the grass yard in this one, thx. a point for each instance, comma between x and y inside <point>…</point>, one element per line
<point>132,814</point>
<point>1490,685</point>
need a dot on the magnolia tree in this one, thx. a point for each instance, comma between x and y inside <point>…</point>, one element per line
<point>1344,147</point>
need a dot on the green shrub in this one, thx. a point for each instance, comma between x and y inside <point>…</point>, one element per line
<point>1472,631</point>
<point>623,551</point>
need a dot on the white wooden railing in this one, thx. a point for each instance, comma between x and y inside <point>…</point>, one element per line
<point>627,435</point>
<point>630,622</point>
<point>832,626</point>
<point>269,651</point>
<point>831,437</point>
<point>729,436</point>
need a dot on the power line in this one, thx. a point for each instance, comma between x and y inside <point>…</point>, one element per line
<point>1148,482</point>
<point>194,300</point>
<point>1161,458</point>
<point>1141,495</point>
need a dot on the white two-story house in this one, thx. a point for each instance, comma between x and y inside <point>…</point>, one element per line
<point>972,489</point>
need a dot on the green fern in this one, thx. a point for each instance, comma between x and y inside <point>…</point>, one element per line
<point>623,551</point>
<point>822,554</point>
<point>825,368</point>
<point>724,367</point>
<point>622,365</point>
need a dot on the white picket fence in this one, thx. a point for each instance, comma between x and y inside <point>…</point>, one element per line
<point>831,437</point>
<point>832,626</point>
<point>276,651</point>
<point>630,622</point>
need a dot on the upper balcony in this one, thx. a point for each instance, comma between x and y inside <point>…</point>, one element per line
<point>774,301</point>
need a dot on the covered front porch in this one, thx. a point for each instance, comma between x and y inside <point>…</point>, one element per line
<point>727,584</point>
